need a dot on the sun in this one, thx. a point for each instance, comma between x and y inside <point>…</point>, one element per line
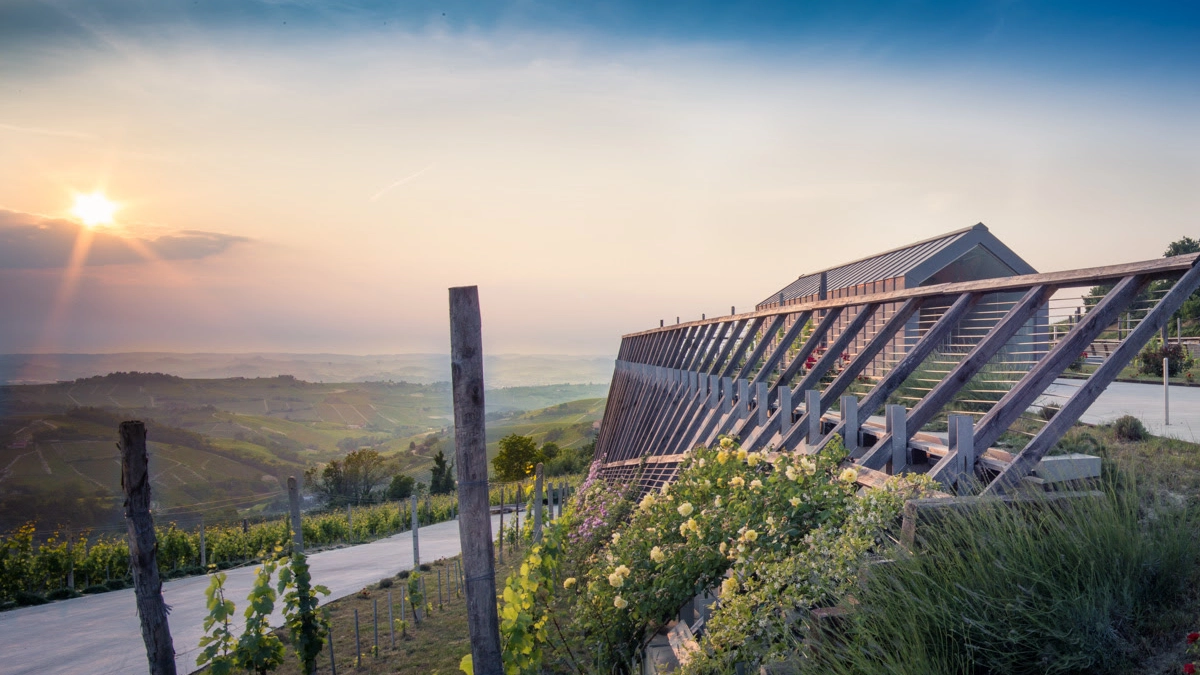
<point>94,209</point>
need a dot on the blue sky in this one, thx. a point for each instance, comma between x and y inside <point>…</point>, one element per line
<point>324,171</point>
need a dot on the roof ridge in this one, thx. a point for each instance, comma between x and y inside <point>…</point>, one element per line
<point>947,235</point>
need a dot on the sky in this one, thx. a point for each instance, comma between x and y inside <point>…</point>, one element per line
<point>312,177</point>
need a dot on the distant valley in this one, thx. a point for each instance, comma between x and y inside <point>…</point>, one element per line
<point>223,447</point>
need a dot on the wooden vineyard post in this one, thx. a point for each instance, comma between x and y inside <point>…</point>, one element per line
<point>203,546</point>
<point>152,610</point>
<point>537,505</point>
<point>294,509</point>
<point>500,542</point>
<point>475,523</point>
<point>416,525</point>
<point>391,621</point>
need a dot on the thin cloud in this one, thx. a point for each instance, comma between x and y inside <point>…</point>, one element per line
<point>400,182</point>
<point>45,132</point>
<point>30,241</point>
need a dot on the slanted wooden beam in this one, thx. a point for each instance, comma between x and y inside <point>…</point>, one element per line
<point>997,420</point>
<point>1085,395</point>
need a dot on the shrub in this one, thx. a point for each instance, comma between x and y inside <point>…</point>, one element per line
<point>385,582</point>
<point>62,594</point>
<point>1047,412</point>
<point>1151,359</point>
<point>115,584</point>
<point>424,567</point>
<point>26,599</point>
<point>1129,428</point>
<point>402,574</point>
<point>96,588</point>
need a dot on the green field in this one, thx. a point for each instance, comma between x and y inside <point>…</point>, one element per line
<point>224,447</point>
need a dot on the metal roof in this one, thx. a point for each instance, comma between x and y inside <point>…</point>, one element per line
<point>901,262</point>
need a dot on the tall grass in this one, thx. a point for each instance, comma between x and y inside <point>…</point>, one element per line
<point>1096,585</point>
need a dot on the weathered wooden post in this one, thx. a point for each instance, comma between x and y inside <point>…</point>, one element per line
<point>537,504</point>
<point>812,410</point>
<point>785,409</point>
<point>70,561</point>
<point>850,424</point>
<point>416,525</point>
<point>135,482</point>
<point>1166,390</point>
<point>475,525</point>
<point>203,546</point>
<point>500,543</point>
<point>357,643</point>
<point>897,425</point>
<point>960,437</point>
<point>350,521</point>
<point>294,509</point>
<point>391,621</point>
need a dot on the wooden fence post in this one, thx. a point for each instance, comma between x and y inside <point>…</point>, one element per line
<point>135,481</point>
<point>475,524</point>
<point>416,525</point>
<point>537,504</point>
<point>203,546</point>
<point>294,508</point>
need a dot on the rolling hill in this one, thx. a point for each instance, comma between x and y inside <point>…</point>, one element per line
<point>222,448</point>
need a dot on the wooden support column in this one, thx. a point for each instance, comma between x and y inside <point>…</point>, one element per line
<point>850,424</point>
<point>761,406</point>
<point>743,399</point>
<point>143,548</point>
<point>812,413</point>
<point>474,523</point>
<point>785,410</point>
<point>897,429</point>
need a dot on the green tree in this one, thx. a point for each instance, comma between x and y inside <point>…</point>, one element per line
<point>401,487</point>
<point>354,480</point>
<point>550,450</point>
<point>1182,247</point>
<point>517,457</point>
<point>441,476</point>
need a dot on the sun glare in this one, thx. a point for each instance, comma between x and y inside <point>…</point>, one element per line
<point>94,209</point>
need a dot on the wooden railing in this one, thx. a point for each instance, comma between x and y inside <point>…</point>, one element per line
<point>954,368</point>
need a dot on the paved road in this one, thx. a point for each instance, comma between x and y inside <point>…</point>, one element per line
<point>100,634</point>
<point>1143,401</point>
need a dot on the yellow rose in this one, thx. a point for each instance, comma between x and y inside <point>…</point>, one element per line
<point>755,484</point>
<point>729,586</point>
<point>657,555</point>
<point>620,602</point>
<point>685,509</point>
<point>737,481</point>
<point>848,475</point>
<point>751,535</point>
<point>741,454</point>
<point>726,442</point>
<point>752,458</point>
<point>616,580</point>
<point>569,582</point>
<point>647,501</point>
<point>722,457</point>
<point>795,501</point>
